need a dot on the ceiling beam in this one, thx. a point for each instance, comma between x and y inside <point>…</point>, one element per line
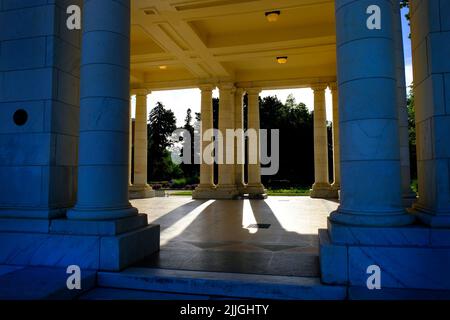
<point>204,10</point>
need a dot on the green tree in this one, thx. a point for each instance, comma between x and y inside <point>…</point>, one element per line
<point>191,171</point>
<point>162,123</point>
<point>412,133</point>
<point>411,117</point>
<point>405,4</point>
<point>295,124</point>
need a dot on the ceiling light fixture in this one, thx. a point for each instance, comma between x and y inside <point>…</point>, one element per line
<point>163,67</point>
<point>272,16</point>
<point>282,60</point>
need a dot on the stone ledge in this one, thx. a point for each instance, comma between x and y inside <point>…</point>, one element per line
<point>412,235</point>
<point>111,253</point>
<point>362,293</point>
<point>101,227</point>
<point>38,283</point>
<point>333,260</point>
<point>401,267</point>
<point>122,251</point>
<point>408,257</point>
<point>24,225</point>
<point>232,285</point>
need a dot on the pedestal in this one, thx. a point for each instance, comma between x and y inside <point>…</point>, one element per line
<point>141,192</point>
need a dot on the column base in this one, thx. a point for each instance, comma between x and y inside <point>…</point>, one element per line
<point>335,186</point>
<point>323,191</point>
<point>241,188</point>
<point>109,245</point>
<point>226,192</point>
<point>409,257</point>
<point>372,219</point>
<point>255,191</point>
<point>409,198</point>
<point>141,192</point>
<point>204,192</point>
<point>80,213</point>
<point>430,217</point>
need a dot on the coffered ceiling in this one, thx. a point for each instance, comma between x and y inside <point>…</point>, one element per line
<point>181,43</point>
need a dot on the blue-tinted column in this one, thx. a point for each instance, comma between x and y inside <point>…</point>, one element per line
<point>430,35</point>
<point>370,159</point>
<point>104,112</point>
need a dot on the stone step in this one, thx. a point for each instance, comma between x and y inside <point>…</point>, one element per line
<point>40,283</point>
<point>124,294</point>
<point>232,285</point>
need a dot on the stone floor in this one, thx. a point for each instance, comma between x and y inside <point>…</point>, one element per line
<point>216,235</point>
<point>208,251</point>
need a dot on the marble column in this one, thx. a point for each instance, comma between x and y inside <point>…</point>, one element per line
<point>430,48</point>
<point>408,195</point>
<point>371,192</point>
<point>240,139</point>
<point>130,150</point>
<point>321,187</point>
<point>104,113</point>
<point>206,188</point>
<point>254,187</point>
<point>336,149</point>
<point>140,188</point>
<point>226,187</point>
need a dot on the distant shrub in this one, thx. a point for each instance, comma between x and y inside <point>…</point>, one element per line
<point>178,183</point>
<point>157,186</point>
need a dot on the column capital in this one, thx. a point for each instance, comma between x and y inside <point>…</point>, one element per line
<point>206,87</point>
<point>253,91</point>
<point>226,86</point>
<point>240,91</point>
<point>140,92</point>
<point>333,86</point>
<point>319,86</point>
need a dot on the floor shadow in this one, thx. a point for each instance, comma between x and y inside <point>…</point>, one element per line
<point>176,214</point>
<point>217,239</point>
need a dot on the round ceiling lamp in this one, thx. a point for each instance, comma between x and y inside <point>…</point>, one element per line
<point>272,16</point>
<point>282,60</point>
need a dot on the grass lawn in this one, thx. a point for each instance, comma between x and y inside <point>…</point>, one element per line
<point>180,193</point>
<point>288,192</point>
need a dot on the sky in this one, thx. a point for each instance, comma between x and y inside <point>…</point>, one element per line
<point>181,100</point>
